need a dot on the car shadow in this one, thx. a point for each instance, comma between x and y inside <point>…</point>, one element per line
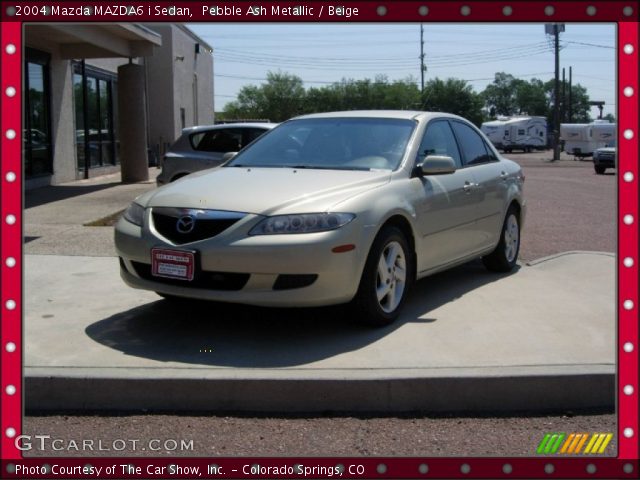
<point>226,335</point>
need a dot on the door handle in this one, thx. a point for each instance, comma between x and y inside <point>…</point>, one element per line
<point>468,186</point>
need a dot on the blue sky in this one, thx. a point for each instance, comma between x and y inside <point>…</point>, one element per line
<point>324,53</point>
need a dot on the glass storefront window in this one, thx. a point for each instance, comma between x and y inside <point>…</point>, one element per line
<point>95,122</point>
<point>37,123</point>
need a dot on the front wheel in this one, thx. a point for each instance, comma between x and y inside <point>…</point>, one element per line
<point>505,256</point>
<point>599,170</point>
<point>386,279</point>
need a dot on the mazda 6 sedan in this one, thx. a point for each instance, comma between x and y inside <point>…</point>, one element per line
<point>331,208</point>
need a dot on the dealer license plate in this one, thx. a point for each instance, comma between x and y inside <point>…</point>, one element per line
<point>176,264</point>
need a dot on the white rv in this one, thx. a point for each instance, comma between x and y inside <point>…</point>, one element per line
<point>525,133</point>
<point>582,139</point>
<point>603,131</point>
<point>494,130</point>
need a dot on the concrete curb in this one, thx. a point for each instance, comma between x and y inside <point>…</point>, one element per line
<point>468,393</point>
<point>563,254</point>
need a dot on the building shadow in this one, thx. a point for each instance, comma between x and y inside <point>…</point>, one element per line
<point>225,335</point>
<point>53,193</point>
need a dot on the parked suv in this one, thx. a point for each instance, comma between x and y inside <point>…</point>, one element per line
<point>205,147</point>
<point>604,158</point>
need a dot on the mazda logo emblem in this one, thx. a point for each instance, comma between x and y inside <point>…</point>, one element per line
<point>186,224</point>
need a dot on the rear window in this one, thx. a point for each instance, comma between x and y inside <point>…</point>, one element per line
<point>217,141</point>
<point>474,149</point>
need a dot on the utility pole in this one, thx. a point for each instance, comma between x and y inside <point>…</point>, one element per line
<point>563,113</point>
<point>570,103</point>
<point>422,67</point>
<point>555,29</point>
<point>556,113</point>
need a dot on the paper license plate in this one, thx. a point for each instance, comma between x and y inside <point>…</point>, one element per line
<point>176,264</point>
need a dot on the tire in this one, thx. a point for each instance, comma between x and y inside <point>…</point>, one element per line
<point>599,170</point>
<point>381,294</point>
<point>505,255</point>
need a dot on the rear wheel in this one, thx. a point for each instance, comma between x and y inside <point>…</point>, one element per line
<point>386,279</point>
<point>505,256</point>
<point>599,170</point>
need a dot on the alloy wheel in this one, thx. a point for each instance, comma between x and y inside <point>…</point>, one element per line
<point>391,276</point>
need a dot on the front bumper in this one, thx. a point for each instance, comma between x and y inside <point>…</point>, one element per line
<point>268,269</point>
<point>608,162</point>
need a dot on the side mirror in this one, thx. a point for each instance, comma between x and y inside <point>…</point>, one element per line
<point>438,165</point>
<point>228,156</point>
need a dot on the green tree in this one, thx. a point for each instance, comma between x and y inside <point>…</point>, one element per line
<point>279,99</point>
<point>500,96</point>
<point>349,94</point>
<point>580,108</point>
<point>531,99</point>
<point>453,96</point>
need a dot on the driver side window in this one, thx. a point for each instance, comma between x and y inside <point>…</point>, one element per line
<point>438,140</point>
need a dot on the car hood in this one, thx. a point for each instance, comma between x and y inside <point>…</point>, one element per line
<point>606,150</point>
<point>265,191</point>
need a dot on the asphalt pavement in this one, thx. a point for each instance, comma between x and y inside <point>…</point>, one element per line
<point>540,339</point>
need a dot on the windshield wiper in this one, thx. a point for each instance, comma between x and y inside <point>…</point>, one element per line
<point>324,167</point>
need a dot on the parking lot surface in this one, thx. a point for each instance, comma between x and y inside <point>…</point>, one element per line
<point>569,208</point>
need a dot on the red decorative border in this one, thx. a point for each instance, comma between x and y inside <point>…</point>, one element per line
<point>11,247</point>
<point>401,11</point>
<point>628,237</point>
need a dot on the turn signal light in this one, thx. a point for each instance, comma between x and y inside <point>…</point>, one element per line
<point>343,248</point>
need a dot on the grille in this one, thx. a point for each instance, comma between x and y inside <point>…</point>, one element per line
<point>206,223</point>
<point>206,280</point>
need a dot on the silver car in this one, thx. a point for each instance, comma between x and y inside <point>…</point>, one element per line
<point>207,146</point>
<point>331,208</point>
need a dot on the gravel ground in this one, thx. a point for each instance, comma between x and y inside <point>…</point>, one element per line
<point>569,208</point>
<point>337,436</point>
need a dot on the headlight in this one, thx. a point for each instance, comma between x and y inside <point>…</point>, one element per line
<point>134,214</point>
<point>595,155</point>
<point>302,223</point>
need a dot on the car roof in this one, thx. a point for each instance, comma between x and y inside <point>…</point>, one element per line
<point>399,114</point>
<point>222,126</point>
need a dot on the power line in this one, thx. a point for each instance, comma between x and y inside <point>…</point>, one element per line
<point>524,48</point>
<point>589,44</point>
<point>375,65</point>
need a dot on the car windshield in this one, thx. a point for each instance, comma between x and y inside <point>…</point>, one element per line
<point>331,143</point>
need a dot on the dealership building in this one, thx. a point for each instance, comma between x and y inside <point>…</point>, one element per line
<point>103,98</point>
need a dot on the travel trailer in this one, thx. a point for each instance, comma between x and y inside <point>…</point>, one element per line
<point>582,139</point>
<point>517,133</point>
<point>524,133</point>
<point>494,130</point>
<point>603,131</point>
